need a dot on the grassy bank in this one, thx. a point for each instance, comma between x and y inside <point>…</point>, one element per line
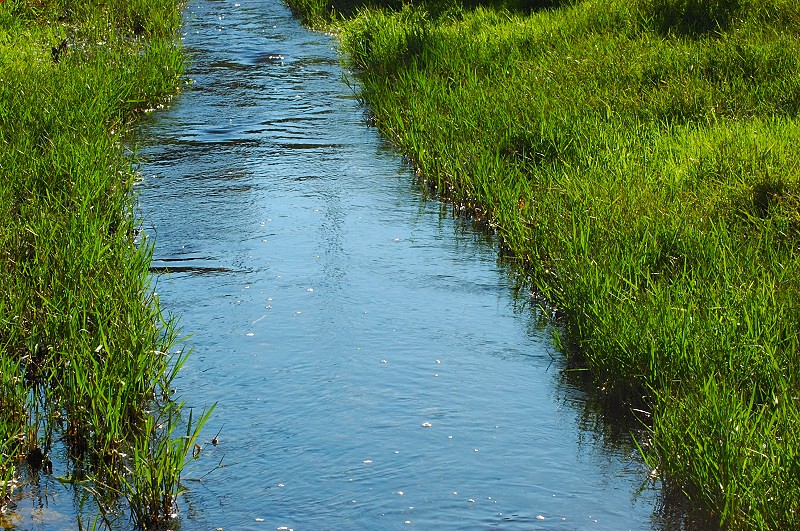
<point>640,159</point>
<point>84,363</point>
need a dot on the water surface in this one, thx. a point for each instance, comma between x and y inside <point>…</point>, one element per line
<point>370,365</point>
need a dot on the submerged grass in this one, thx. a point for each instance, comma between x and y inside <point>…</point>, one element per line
<point>640,160</point>
<point>83,347</point>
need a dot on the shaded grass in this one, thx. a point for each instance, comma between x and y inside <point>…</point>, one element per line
<point>85,358</point>
<point>640,161</point>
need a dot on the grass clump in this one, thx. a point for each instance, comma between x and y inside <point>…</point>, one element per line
<point>640,160</point>
<point>84,359</point>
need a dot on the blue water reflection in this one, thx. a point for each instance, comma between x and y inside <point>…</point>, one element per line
<point>369,365</point>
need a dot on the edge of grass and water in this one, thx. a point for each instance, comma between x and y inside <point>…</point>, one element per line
<point>85,362</point>
<point>639,161</point>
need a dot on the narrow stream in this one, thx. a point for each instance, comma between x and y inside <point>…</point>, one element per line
<point>370,365</point>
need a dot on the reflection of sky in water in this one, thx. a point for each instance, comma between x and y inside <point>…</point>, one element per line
<point>334,316</point>
<point>348,315</point>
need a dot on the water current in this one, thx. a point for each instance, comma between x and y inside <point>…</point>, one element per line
<point>371,366</point>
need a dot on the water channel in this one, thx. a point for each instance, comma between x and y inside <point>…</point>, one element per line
<point>370,364</point>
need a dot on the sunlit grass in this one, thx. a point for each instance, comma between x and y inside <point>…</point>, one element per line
<point>85,350</point>
<point>640,161</point>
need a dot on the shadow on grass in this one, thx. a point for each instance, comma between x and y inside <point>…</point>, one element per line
<point>347,7</point>
<point>317,13</point>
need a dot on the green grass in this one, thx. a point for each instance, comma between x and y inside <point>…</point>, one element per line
<point>640,161</point>
<point>83,346</point>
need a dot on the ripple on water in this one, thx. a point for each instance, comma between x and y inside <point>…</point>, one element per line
<point>377,372</point>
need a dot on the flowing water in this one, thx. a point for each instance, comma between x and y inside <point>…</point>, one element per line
<point>371,366</point>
